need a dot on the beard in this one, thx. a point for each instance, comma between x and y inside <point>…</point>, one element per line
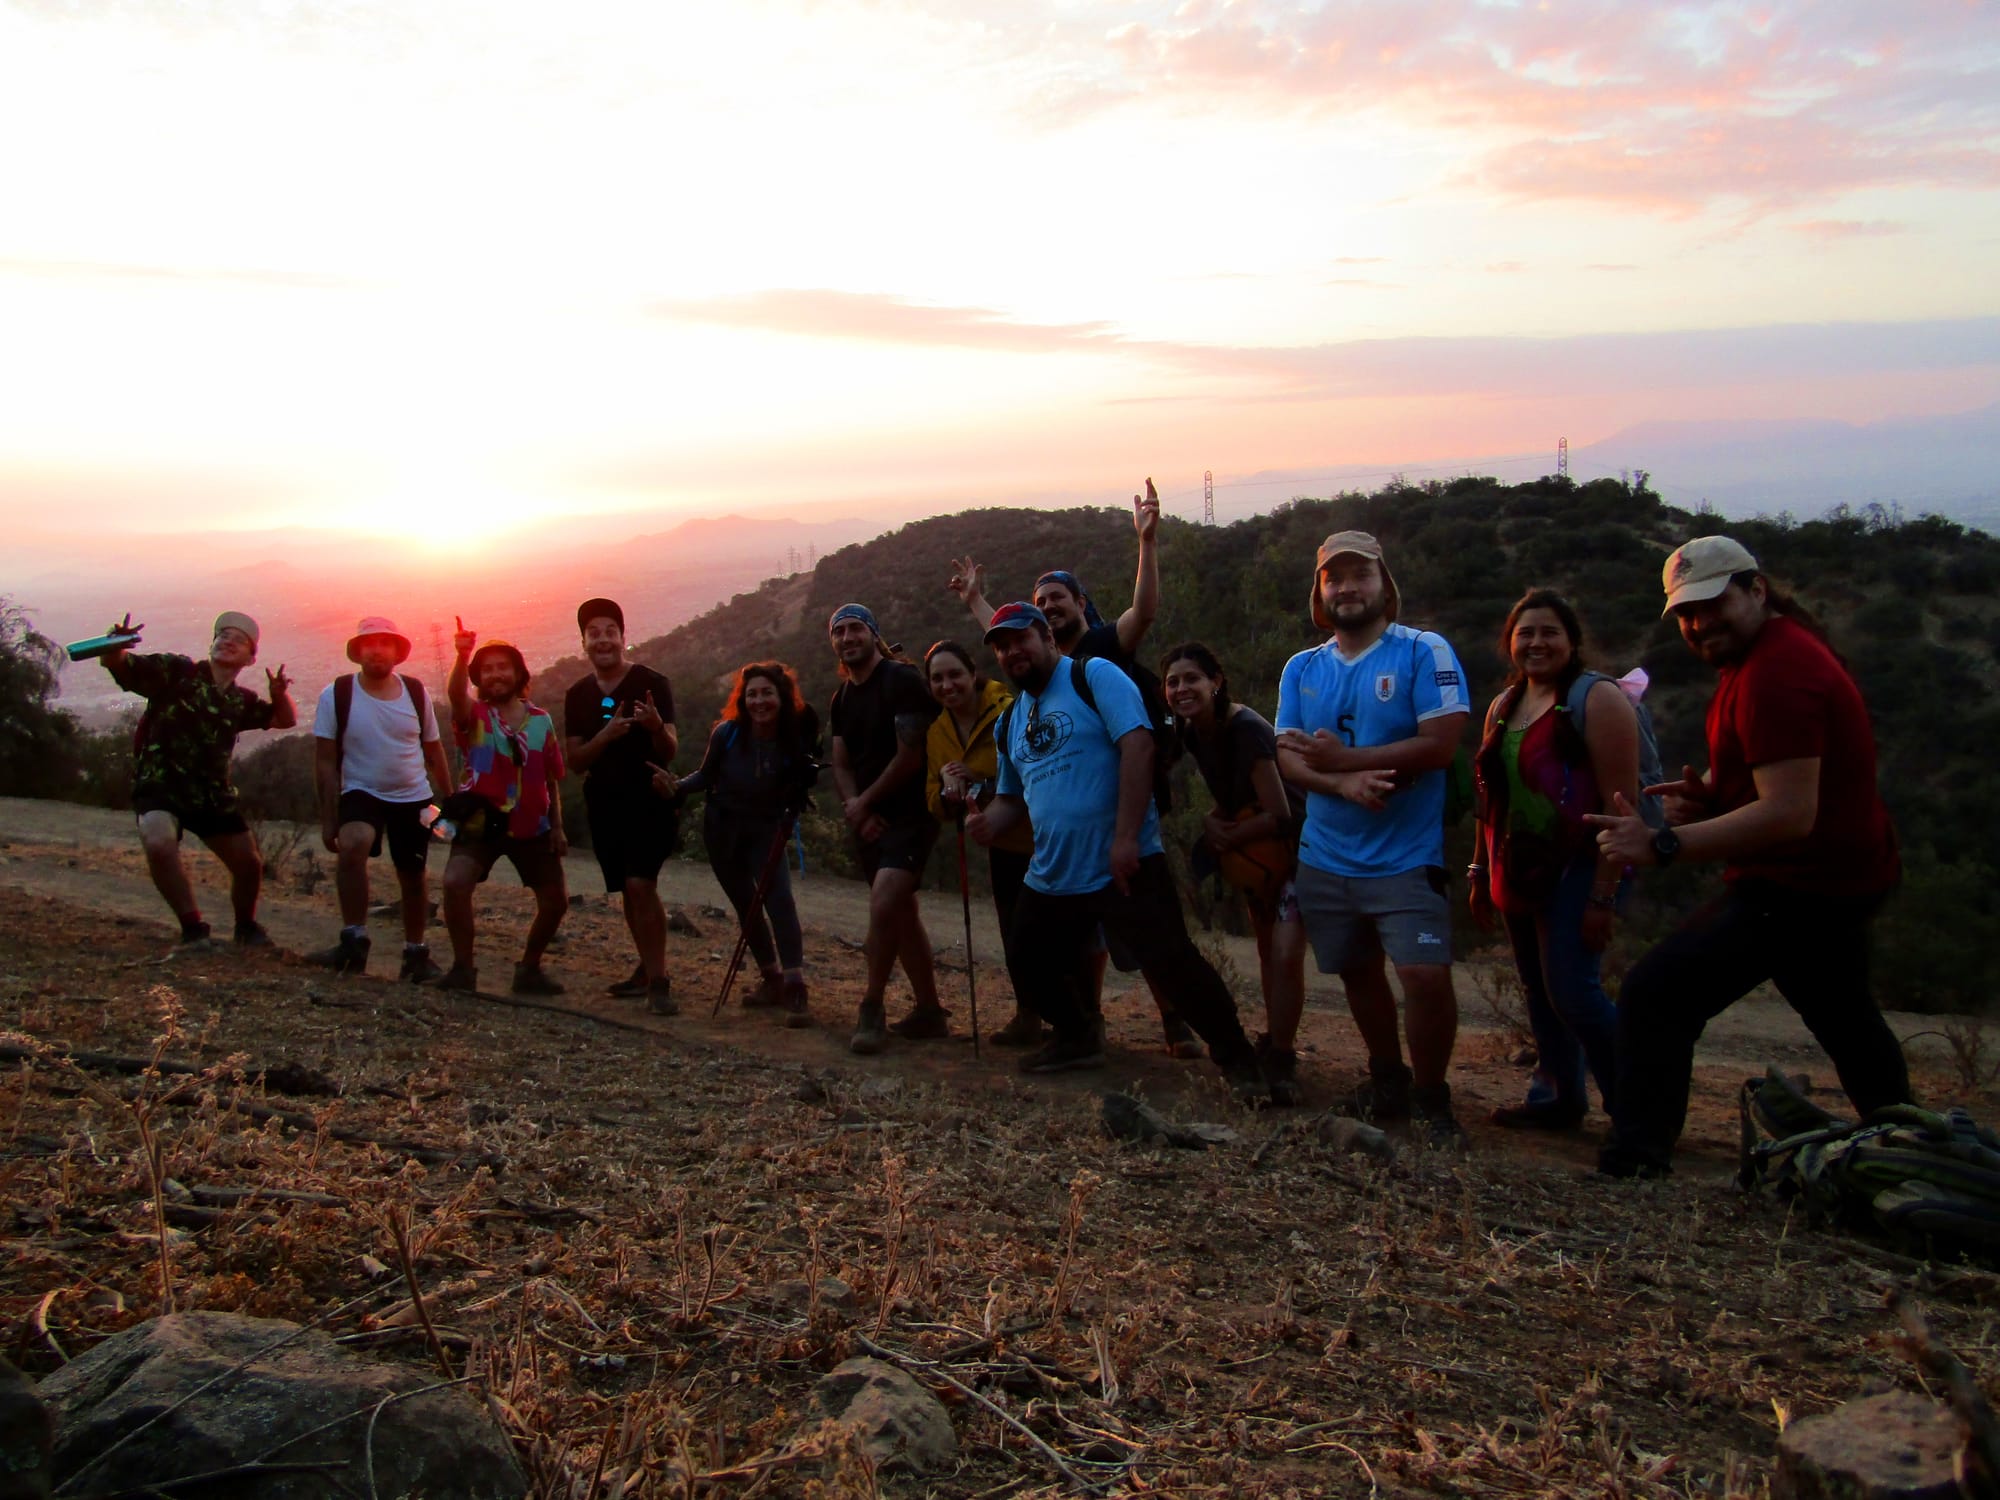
<point>1358,614</point>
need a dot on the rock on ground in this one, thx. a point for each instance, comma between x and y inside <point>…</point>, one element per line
<point>896,1417</point>
<point>1896,1446</point>
<point>25,1437</point>
<point>440,1444</point>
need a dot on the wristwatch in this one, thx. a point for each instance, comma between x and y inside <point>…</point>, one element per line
<point>1666,847</point>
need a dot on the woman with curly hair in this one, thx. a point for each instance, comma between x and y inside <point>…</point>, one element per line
<point>758,769</point>
<point>1549,758</point>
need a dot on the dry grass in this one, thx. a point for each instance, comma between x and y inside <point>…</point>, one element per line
<point>683,1238</point>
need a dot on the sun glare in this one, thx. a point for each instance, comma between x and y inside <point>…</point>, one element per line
<point>439,509</point>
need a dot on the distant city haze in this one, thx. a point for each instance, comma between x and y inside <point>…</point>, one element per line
<point>370,306</point>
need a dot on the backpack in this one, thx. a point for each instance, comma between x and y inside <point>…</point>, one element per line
<point>1929,1180</point>
<point>343,705</point>
<point>1166,737</point>
<point>1652,809</point>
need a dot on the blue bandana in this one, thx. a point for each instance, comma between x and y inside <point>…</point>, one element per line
<point>1091,618</point>
<point>859,612</point>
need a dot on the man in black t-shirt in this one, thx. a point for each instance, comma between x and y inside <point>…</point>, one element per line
<point>879,718</point>
<point>1079,631</point>
<point>615,721</point>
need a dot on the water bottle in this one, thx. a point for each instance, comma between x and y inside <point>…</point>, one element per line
<point>441,827</point>
<point>102,645</point>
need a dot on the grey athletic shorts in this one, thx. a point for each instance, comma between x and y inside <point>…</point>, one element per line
<point>1408,914</point>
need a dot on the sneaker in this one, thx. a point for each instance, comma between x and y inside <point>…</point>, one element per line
<point>1431,1109</point>
<point>349,955</point>
<point>458,977</point>
<point>530,980</point>
<point>798,1015</point>
<point>660,999</point>
<point>1065,1055</point>
<point>768,993</point>
<point>194,932</point>
<point>1247,1082</point>
<point>1536,1117</point>
<point>1181,1040</point>
<point>631,987</point>
<point>253,935</point>
<point>927,1023</point>
<point>418,966</point>
<point>1383,1099</point>
<point>871,1035</point>
<point>1281,1071</point>
<point>1025,1030</point>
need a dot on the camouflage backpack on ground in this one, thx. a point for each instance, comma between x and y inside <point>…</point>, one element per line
<point>1930,1180</point>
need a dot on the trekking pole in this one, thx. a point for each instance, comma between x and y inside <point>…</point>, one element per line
<point>965,896</point>
<point>756,911</point>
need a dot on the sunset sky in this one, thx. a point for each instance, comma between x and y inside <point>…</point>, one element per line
<point>428,268</point>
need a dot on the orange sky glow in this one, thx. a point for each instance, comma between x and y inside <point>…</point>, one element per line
<point>449,273</point>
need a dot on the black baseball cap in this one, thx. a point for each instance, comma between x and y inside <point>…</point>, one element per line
<point>598,609</point>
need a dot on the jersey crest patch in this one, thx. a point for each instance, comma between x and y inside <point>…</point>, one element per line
<point>1385,687</point>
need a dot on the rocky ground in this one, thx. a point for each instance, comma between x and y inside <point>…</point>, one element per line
<point>650,1237</point>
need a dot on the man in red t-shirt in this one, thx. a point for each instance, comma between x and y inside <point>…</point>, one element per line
<point>1790,809</point>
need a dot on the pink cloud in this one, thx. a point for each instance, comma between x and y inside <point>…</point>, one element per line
<point>1673,110</point>
<point>1848,229</point>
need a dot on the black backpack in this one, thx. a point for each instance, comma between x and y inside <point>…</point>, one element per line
<point>1166,735</point>
<point>343,705</point>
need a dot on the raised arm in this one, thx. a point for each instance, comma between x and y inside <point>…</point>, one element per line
<point>1145,606</point>
<point>968,581</point>
<point>458,686</point>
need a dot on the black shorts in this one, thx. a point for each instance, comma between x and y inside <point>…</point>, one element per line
<point>203,823</point>
<point>903,846</point>
<point>534,860</point>
<point>632,836</point>
<point>409,840</point>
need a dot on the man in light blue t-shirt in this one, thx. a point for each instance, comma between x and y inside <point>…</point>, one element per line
<point>1368,724</point>
<point>1076,757</point>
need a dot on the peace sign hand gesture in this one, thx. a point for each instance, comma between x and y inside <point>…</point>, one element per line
<point>967,578</point>
<point>279,682</point>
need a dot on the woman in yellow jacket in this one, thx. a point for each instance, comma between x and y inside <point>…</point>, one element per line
<point>963,760</point>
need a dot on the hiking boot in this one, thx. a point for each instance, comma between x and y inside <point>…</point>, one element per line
<point>871,1033</point>
<point>660,999</point>
<point>1281,1071</point>
<point>418,966</point>
<point>349,955</point>
<point>530,980</point>
<point>458,977</point>
<point>1065,1054</point>
<point>1025,1030</point>
<point>1614,1161</point>
<point>1247,1082</point>
<point>253,935</point>
<point>768,993</point>
<point>1430,1108</point>
<point>631,987</point>
<point>1181,1040</point>
<point>798,1015</point>
<point>1536,1117</point>
<point>927,1023</point>
<point>193,932</point>
<point>1383,1099</point>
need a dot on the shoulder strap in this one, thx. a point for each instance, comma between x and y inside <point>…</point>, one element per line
<point>1004,730</point>
<point>343,705</point>
<point>1579,693</point>
<point>1079,682</point>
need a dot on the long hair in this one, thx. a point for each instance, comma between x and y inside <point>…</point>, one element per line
<point>1211,666</point>
<point>1781,601</point>
<point>791,702</point>
<point>1488,759</point>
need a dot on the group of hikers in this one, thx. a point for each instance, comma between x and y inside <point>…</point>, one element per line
<point>1048,748</point>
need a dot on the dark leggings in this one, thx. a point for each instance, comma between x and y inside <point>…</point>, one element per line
<point>737,849</point>
<point>1813,948</point>
<point>1052,936</point>
<point>1008,870</point>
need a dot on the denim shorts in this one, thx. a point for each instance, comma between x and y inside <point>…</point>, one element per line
<point>1408,914</point>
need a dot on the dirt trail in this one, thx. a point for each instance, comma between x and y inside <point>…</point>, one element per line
<point>88,858</point>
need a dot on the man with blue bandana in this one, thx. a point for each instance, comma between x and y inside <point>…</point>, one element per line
<point>880,717</point>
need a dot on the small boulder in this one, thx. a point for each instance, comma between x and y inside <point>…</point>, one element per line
<point>1896,1446</point>
<point>1356,1138</point>
<point>897,1419</point>
<point>1125,1118</point>
<point>440,1444</point>
<point>679,921</point>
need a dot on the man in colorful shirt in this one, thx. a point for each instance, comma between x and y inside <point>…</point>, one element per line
<point>1368,724</point>
<point>1790,809</point>
<point>509,804</point>
<point>180,764</point>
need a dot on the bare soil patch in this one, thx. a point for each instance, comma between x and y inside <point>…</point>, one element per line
<point>651,1238</point>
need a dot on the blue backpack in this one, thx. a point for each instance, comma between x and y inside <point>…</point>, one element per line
<point>1652,809</point>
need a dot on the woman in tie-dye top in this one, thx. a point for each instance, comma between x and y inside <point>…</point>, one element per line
<point>1535,860</point>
